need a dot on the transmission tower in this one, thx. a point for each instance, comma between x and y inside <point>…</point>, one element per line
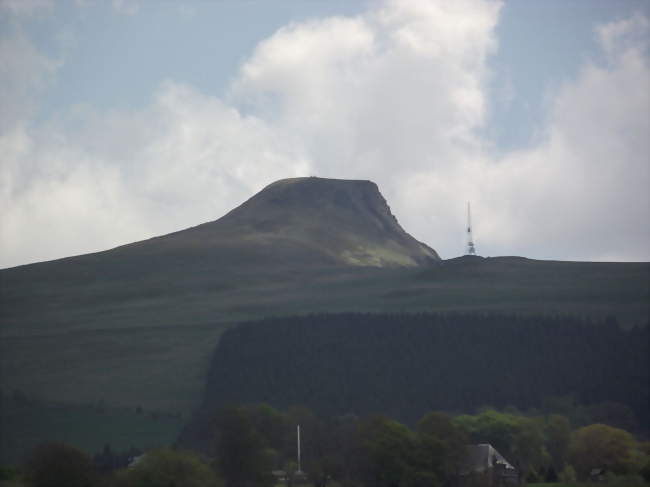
<point>470,241</point>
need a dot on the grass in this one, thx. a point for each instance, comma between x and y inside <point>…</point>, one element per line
<point>137,342</point>
<point>27,423</point>
<point>142,332</point>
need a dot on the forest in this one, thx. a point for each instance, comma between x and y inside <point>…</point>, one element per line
<point>403,365</point>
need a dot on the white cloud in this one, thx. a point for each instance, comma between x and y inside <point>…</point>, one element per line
<point>400,83</point>
<point>384,96</point>
<point>630,34</point>
<point>396,95</point>
<point>126,7</point>
<point>583,191</point>
<point>24,72</point>
<point>113,178</point>
<point>187,11</point>
<point>579,193</point>
<point>25,7</point>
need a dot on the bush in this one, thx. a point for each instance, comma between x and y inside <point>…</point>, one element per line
<point>168,468</point>
<point>8,473</point>
<point>602,446</point>
<point>568,475</point>
<point>57,464</point>
<point>613,480</point>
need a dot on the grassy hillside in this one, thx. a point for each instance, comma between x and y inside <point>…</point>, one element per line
<point>136,325</point>
<point>26,423</point>
<point>147,340</point>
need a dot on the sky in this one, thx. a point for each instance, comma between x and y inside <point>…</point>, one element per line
<point>125,119</point>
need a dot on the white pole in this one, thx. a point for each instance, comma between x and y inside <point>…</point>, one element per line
<point>299,469</point>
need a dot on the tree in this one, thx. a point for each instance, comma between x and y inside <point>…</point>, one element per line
<point>269,423</point>
<point>568,475</point>
<point>344,448</point>
<point>57,464</point>
<point>602,446</point>
<point>388,451</point>
<point>169,468</point>
<point>558,433</point>
<point>490,426</point>
<point>528,450</point>
<point>442,444</point>
<point>242,455</point>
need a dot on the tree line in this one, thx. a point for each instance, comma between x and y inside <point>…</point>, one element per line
<point>251,441</point>
<point>403,365</point>
<point>255,446</point>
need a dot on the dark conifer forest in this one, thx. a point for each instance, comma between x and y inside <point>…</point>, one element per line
<point>403,365</point>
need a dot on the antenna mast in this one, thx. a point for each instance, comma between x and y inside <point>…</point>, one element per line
<point>470,241</point>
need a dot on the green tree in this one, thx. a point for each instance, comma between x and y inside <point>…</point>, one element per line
<point>57,464</point>
<point>490,426</point>
<point>388,451</point>
<point>558,434</point>
<point>242,455</point>
<point>598,446</point>
<point>644,457</point>
<point>8,474</point>
<point>169,468</point>
<point>442,444</point>
<point>270,423</point>
<point>343,449</point>
<point>528,450</point>
<point>568,475</point>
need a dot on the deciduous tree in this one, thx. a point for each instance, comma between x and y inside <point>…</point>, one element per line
<point>388,450</point>
<point>558,434</point>
<point>442,444</point>
<point>169,468</point>
<point>242,455</point>
<point>602,446</point>
<point>57,464</point>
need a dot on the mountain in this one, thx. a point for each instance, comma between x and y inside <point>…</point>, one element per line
<point>96,327</point>
<point>301,222</point>
<point>136,325</point>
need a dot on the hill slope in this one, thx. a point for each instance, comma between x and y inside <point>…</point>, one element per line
<point>115,325</point>
<point>136,325</point>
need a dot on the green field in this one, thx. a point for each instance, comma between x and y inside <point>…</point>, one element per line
<point>26,423</point>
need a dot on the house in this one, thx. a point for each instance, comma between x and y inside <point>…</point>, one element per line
<point>486,467</point>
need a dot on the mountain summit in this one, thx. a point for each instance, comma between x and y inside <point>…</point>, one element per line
<point>307,220</point>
